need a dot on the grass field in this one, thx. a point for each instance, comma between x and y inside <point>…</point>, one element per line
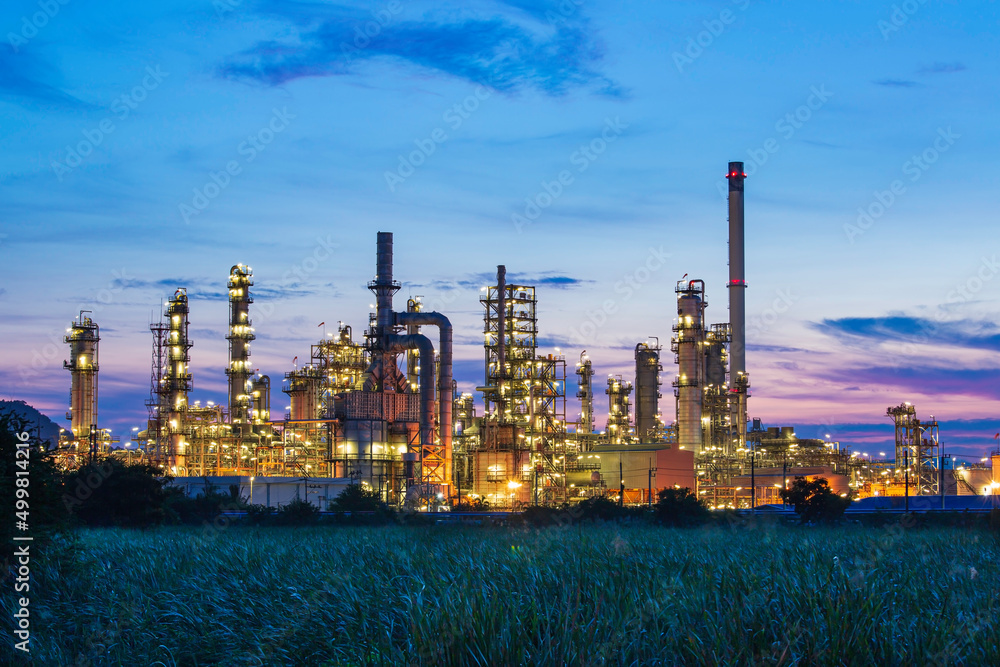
<point>589,595</point>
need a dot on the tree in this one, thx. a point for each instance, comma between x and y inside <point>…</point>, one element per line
<point>813,500</point>
<point>680,507</point>
<point>41,509</point>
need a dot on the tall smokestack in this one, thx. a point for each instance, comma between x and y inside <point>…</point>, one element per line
<point>739,382</point>
<point>737,272</point>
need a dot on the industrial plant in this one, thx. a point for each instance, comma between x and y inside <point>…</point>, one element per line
<point>383,411</point>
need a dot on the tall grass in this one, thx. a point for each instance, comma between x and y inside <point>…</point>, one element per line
<point>586,595</point>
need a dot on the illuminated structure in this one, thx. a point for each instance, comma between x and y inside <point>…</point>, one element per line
<point>647,392</point>
<point>585,371</point>
<point>240,335</point>
<point>916,449</point>
<point>688,346</point>
<point>175,382</point>
<point>619,427</point>
<point>83,337</point>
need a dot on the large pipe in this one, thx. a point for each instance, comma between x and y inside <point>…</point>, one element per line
<point>737,273</point>
<point>422,343</point>
<point>445,398</point>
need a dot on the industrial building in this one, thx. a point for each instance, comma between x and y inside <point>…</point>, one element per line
<point>383,411</point>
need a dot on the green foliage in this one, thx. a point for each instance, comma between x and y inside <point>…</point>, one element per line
<point>814,502</point>
<point>357,498</point>
<point>111,493</point>
<point>598,594</point>
<point>681,507</point>
<point>45,509</point>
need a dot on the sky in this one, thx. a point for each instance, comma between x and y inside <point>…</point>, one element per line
<point>583,144</point>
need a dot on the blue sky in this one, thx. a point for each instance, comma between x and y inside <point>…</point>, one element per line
<point>148,146</point>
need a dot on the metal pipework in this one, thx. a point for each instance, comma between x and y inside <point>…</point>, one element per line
<point>445,398</point>
<point>398,343</point>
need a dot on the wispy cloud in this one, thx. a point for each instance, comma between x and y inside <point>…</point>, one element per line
<point>896,83</point>
<point>505,53</point>
<point>477,280</point>
<point>942,68</point>
<point>23,79</point>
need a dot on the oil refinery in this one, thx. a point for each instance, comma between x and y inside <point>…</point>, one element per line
<point>383,410</point>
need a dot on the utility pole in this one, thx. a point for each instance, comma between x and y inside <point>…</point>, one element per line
<point>753,482</point>
<point>621,478</point>
<point>650,483</point>
<point>906,478</point>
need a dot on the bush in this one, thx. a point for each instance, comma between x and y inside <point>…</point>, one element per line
<point>814,502</point>
<point>680,507</point>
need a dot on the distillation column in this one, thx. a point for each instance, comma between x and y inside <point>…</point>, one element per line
<point>83,337</point>
<point>585,370</point>
<point>647,391</point>
<point>240,335</point>
<point>688,344</point>
<point>176,381</point>
<point>739,383</point>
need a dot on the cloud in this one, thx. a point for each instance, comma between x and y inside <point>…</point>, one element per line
<point>22,79</point>
<point>973,334</point>
<point>199,289</point>
<point>942,68</point>
<point>477,280</point>
<point>503,52</point>
<point>896,83</point>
